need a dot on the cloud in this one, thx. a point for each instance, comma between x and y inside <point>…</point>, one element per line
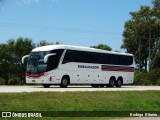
<point>27,2</point>
<point>30,1</point>
<point>34,1</point>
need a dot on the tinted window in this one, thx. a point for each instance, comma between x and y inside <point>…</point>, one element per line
<point>69,56</point>
<point>99,58</point>
<point>53,61</point>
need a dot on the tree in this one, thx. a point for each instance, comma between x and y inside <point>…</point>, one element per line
<point>11,54</point>
<point>43,43</point>
<point>139,35</point>
<point>155,63</point>
<point>23,46</point>
<point>5,61</point>
<point>102,46</point>
<point>156,56</point>
<point>156,3</point>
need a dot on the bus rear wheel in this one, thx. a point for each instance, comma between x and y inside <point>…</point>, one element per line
<point>119,82</point>
<point>46,85</point>
<point>64,82</point>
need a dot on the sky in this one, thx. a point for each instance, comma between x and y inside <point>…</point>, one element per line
<point>70,22</point>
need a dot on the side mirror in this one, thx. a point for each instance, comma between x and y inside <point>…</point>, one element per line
<point>47,56</point>
<point>23,58</point>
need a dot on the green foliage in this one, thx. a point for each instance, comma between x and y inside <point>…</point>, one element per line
<point>14,81</point>
<point>150,78</point>
<point>102,47</point>
<point>43,43</point>
<point>153,76</point>
<point>1,81</point>
<point>143,28</point>
<point>158,82</point>
<point>155,56</point>
<point>141,79</point>
<point>10,57</point>
<point>156,3</point>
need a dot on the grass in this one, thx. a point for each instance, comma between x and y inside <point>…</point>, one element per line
<point>81,101</point>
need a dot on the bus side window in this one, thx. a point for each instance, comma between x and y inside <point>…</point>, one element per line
<point>51,64</point>
<point>69,56</point>
<point>120,59</point>
<point>101,58</point>
<point>129,60</point>
<point>53,61</point>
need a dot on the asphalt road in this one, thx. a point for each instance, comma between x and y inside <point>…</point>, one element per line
<point>29,88</point>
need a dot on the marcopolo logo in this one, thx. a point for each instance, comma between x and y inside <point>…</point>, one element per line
<point>88,66</point>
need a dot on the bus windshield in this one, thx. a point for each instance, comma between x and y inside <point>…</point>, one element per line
<point>36,62</point>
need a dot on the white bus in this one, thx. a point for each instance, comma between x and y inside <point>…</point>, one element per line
<point>64,65</point>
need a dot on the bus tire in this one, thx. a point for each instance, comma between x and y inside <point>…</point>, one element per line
<point>46,85</point>
<point>112,82</point>
<point>101,86</point>
<point>119,82</point>
<point>64,82</point>
<point>94,85</point>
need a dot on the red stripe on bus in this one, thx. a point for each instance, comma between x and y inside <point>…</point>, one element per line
<point>117,68</point>
<point>34,75</point>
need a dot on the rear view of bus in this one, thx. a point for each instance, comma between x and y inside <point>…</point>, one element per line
<point>64,65</point>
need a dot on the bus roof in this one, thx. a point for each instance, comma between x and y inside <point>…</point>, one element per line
<point>80,48</point>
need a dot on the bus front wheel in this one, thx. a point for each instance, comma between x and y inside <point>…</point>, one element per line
<point>46,85</point>
<point>64,82</point>
<point>94,85</point>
